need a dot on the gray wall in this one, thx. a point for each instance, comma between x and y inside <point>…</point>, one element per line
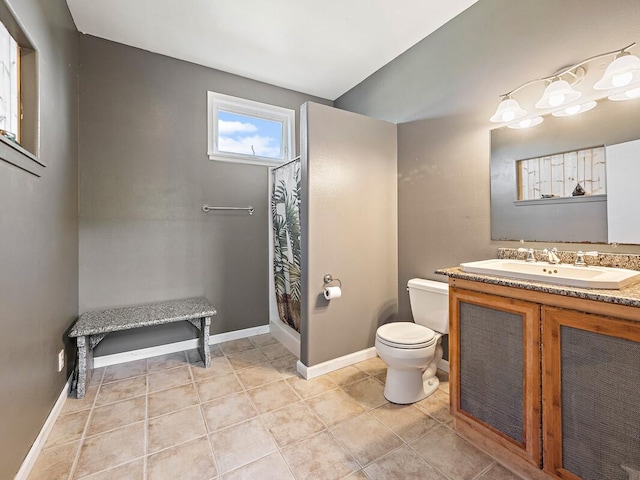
<point>349,229</point>
<point>39,241</point>
<point>144,176</point>
<point>443,91</point>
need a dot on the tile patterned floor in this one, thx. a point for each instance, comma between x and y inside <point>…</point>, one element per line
<point>250,416</point>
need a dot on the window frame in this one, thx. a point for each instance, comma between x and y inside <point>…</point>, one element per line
<point>26,154</point>
<point>250,108</point>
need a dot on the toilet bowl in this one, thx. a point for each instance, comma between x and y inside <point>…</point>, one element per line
<point>412,351</point>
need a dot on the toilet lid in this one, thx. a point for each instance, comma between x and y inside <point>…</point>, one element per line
<point>406,335</point>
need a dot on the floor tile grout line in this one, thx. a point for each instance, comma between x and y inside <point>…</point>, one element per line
<point>146,425</point>
<point>441,425</point>
<point>113,467</point>
<point>164,449</point>
<point>349,454</point>
<point>389,453</point>
<point>427,461</point>
<point>484,470</point>
<point>263,423</point>
<point>381,423</point>
<point>81,441</point>
<point>204,420</point>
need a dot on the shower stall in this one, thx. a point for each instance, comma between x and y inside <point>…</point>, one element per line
<point>333,211</point>
<point>286,256</point>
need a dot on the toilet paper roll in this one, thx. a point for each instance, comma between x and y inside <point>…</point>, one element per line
<point>332,292</point>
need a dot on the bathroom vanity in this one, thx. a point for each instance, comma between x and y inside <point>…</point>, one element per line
<point>546,377</point>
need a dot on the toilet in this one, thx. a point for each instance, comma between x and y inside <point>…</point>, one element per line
<point>412,350</point>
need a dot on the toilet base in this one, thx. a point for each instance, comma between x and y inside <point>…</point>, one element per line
<point>408,386</point>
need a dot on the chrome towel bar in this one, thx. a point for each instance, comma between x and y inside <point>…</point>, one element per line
<point>208,208</point>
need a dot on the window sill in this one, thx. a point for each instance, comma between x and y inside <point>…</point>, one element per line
<point>248,161</point>
<point>19,157</point>
<point>558,200</point>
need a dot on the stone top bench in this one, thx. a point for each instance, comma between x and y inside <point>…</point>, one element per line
<point>125,318</point>
<point>93,326</point>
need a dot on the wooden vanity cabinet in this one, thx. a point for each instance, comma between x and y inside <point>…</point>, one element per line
<point>495,369</point>
<point>591,395</point>
<point>549,384</point>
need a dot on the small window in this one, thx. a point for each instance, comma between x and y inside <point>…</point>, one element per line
<point>251,132</point>
<point>19,98</point>
<point>9,95</point>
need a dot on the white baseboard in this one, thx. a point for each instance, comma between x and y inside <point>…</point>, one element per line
<point>335,364</point>
<point>41,439</point>
<point>287,336</point>
<point>116,358</point>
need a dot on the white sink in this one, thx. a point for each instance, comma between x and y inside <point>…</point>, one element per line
<point>569,275</point>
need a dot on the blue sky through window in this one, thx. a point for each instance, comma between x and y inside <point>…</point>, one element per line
<point>249,135</point>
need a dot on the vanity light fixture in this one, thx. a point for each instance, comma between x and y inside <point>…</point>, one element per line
<point>526,123</point>
<point>508,111</point>
<point>558,93</point>
<point>628,95</point>
<point>621,80</point>
<point>575,109</point>
<point>623,71</point>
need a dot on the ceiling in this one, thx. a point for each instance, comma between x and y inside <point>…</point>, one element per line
<point>322,48</point>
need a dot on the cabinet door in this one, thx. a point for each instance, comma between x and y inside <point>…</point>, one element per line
<point>591,400</point>
<point>495,369</point>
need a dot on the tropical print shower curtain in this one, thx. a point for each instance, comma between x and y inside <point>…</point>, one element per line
<point>285,211</point>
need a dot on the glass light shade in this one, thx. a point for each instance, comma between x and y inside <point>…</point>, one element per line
<point>507,111</point>
<point>628,95</point>
<point>623,71</point>
<point>575,109</point>
<point>526,123</point>
<point>556,94</point>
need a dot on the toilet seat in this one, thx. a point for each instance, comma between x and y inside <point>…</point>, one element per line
<point>406,335</point>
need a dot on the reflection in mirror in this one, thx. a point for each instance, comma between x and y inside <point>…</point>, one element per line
<point>579,219</point>
<point>563,175</point>
<point>623,171</point>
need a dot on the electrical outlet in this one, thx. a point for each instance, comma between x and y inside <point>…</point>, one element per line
<point>60,360</point>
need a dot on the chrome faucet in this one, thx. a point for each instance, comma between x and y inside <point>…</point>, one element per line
<point>530,254</point>
<point>580,262</point>
<point>552,255</point>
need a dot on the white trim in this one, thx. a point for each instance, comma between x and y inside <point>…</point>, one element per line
<point>286,335</point>
<point>249,108</point>
<point>131,355</point>
<point>236,334</point>
<point>30,460</point>
<point>335,364</point>
<point>116,358</point>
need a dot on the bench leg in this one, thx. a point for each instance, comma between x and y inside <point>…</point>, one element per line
<point>203,342</point>
<point>85,365</point>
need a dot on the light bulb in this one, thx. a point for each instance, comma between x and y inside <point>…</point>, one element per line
<point>508,116</point>
<point>575,109</point>
<point>622,79</point>
<point>526,123</point>
<point>633,93</point>
<point>557,93</point>
<point>628,95</point>
<point>556,100</point>
<point>508,110</point>
<point>572,110</point>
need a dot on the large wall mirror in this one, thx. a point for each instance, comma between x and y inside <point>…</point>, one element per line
<point>610,213</point>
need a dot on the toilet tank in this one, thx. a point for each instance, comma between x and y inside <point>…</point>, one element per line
<point>430,303</point>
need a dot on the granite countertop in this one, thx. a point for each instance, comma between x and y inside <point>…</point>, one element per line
<point>629,296</point>
<point>105,321</point>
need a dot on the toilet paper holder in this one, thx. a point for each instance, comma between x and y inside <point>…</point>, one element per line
<point>328,279</point>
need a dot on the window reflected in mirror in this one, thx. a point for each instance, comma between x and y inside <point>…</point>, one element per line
<point>575,173</point>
